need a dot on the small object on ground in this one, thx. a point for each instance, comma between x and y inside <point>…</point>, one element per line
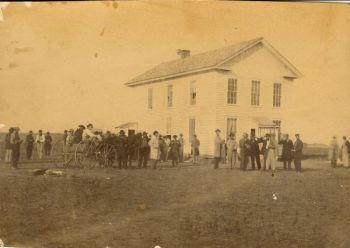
<point>39,172</point>
<point>341,186</point>
<point>54,173</point>
<point>107,178</point>
<point>274,197</point>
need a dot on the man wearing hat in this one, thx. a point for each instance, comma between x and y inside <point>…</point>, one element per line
<point>121,147</point>
<point>217,148</point>
<point>269,147</point>
<point>182,144</point>
<point>298,153</point>
<point>48,144</point>
<point>287,147</point>
<point>231,150</point>
<point>244,147</point>
<point>175,150</point>
<point>8,147</point>
<point>155,148</point>
<point>144,151</point>
<point>29,144</point>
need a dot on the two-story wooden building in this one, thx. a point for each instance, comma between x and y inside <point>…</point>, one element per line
<point>236,89</point>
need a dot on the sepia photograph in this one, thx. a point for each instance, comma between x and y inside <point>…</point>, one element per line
<point>174,124</point>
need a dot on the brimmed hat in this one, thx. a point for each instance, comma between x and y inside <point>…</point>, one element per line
<point>122,132</point>
<point>175,136</point>
<point>217,130</point>
<point>82,126</point>
<point>144,133</point>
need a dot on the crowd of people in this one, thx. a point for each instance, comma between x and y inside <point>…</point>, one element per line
<point>248,150</point>
<point>42,143</point>
<point>158,148</point>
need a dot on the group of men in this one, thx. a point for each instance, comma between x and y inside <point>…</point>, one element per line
<point>13,143</point>
<point>250,149</point>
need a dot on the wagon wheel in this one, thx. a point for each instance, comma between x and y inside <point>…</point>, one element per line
<point>108,155</point>
<point>84,156</point>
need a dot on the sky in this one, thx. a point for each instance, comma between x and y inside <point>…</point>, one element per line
<point>65,63</point>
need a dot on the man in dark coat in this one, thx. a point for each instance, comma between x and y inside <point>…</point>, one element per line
<point>298,153</point>
<point>175,150</point>
<point>255,152</point>
<point>131,148</point>
<point>78,134</point>
<point>29,144</point>
<point>47,144</point>
<point>8,146</point>
<point>244,146</point>
<point>144,151</point>
<point>287,147</point>
<point>16,147</point>
<point>121,147</point>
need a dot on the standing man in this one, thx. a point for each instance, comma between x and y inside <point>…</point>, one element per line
<point>29,144</point>
<point>40,140</point>
<point>217,149</point>
<point>244,151</point>
<point>16,147</point>
<point>182,145</point>
<point>298,153</point>
<point>121,147</point>
<point>174,150</point>
<point>195,143</point>
<point>232,150</point>
<point>131,148</point>
<point>255,152</point>
<point>144,151</point>
<point>48,144</point>
<point>8,146</point>
<point>155,148</point>
<point>345,148</point>
<point>268,149</point>
<point>287,147</point>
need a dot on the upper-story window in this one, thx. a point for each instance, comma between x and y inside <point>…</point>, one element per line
<point>150,98</point>
<point>277,94</point>
<point>255,93</point>
<point>232,91</point>
<point>170,95</point>
<point>193,93</point>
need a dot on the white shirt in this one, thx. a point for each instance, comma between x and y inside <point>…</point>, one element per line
<point>40,139</point>
<point>87,134</point>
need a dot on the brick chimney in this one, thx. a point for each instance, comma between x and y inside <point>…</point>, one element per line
<point>183,53</point>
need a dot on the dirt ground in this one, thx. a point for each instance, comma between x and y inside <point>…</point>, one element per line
<point>192,206</point>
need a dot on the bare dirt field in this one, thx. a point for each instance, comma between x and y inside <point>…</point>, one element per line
<point>192,206</point>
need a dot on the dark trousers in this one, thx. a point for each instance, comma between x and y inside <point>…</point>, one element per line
<point>216,162</point>
<point>287,162</point>
<point>15,155</point>
<point>255,157</point>
<point>143,157</point>
<point>29,151</point>
<point>297,164</point>
<point>47,149</point>
<point>122,159</point>
<point>130,154</point>
<point>244,162</point>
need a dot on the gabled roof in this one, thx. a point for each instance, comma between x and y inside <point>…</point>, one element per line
<point>207,61</point>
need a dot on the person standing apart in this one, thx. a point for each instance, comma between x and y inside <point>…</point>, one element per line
<point>223,151</point>
<point>48,144</point>
<point>217,149</point>
<point>29,144</point>
<point>298,153</point>
<point>40,140</point>
<point>232,150</point>
<point>155,148</point>
<point>345,148</point>
<point>144,151</point>
<point>195,143</point>
<point>16,147</point>
<point>287,147</point>
<point>334,152</point>
<point>182,143</point>
<point>8,146</point>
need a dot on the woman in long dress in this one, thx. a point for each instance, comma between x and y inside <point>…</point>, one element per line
<point>334,152</point>
<point>345,152</point>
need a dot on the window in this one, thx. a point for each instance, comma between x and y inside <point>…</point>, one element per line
<point>193,93</point>
<point>170,95</point>
<point>277,93</point>
<point>255,94</point>
<point>231,126</point>
<point>150,98</point>
<point>232,91</point>
<point>168,125</point>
